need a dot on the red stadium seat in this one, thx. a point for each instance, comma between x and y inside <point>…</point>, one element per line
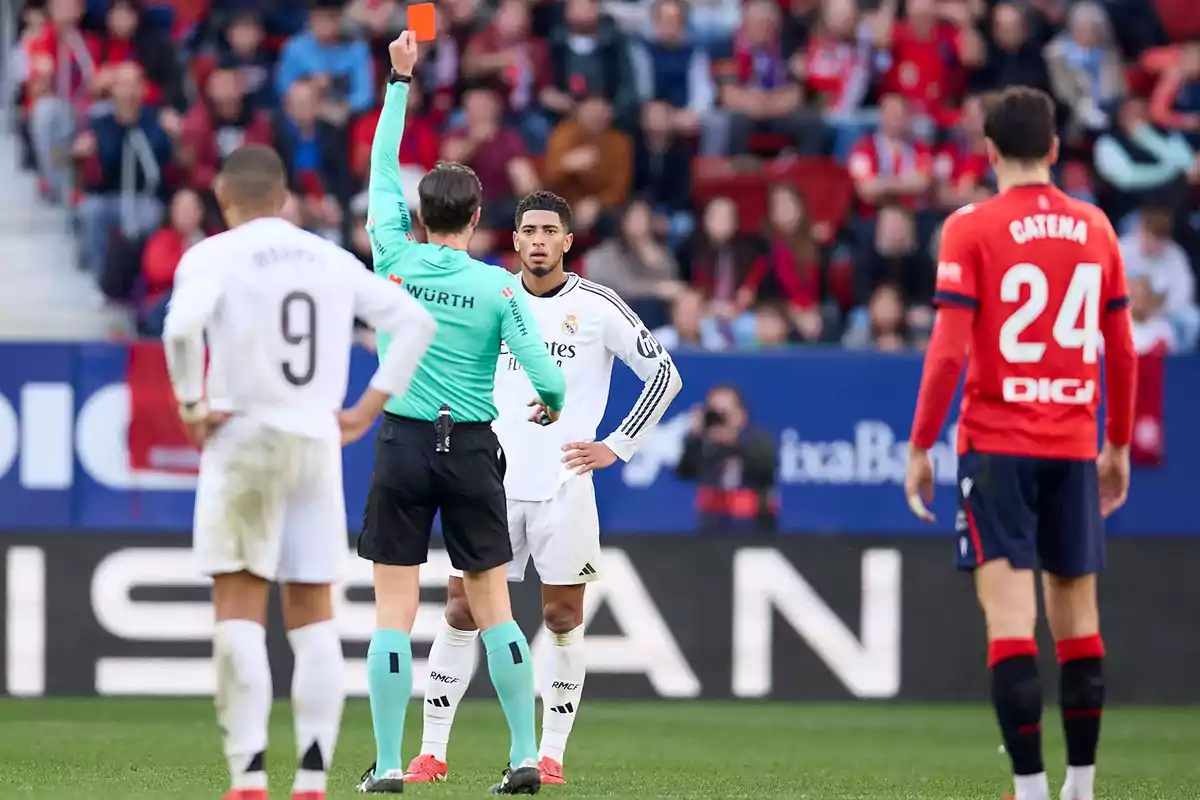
<point>1180,18</point>
<point>822,181</point>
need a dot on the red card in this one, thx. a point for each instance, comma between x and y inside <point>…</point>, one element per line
<point>422,21</point>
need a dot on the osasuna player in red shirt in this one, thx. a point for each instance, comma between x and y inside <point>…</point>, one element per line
<point>1031,294</point>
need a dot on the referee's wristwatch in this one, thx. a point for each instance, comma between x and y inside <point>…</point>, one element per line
<point>396,77</point>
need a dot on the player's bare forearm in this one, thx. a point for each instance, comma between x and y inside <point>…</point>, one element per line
<point>944,361</point>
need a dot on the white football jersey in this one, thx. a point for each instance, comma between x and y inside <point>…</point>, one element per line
<point>278,305</point>
<point>585,325</point>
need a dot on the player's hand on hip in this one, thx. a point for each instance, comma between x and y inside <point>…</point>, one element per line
<point>403,53</point>
<point>542,413</point>
<point>583,457</point>
<point>1113,467</point>
<point>918,484</point>
<point>356,421</point>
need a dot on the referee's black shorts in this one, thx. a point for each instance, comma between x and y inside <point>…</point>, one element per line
<point>412,482</point>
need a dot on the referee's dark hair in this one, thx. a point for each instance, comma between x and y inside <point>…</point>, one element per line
<point>544,201</point>
<point>450,195</point>
<point>252,179</point>
<point>1020,122</point>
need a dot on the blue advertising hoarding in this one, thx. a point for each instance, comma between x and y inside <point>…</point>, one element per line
<point>840,420</point>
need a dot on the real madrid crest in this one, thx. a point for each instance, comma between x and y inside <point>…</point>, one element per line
<point>570,325</point>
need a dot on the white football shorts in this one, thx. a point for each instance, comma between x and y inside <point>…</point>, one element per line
<point>270,503</point>
<point>561,534</point>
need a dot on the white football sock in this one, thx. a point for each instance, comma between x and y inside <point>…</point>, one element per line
<point>1031,787</point>
<point>563,690</point>
<point>243,698</point>
<point>1081,783</point>
<point>451,662</point>
<point>318,694</point>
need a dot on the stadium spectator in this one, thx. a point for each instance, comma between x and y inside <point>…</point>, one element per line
<point>464,19</point>
<point>789,274</point>
<point>1013,57</point>
<point>890,165</point>
<point>672,69</point>
<point>1150,252</point>
<point>244,53</point>
<point>496,153</point>
<point>719,258</point>
<point>757,93</point>
<point>662,172</point>
<point>1152,330</point>
<point>124,153</point>
<point>161,256</point>
<point>897,259</point>
<point>836,68</point>
<point>376,22</point>
<point>1086,72</point>
<point>418,149</point>
<point>884,328</point>
<point>1175,104</point>
<point>589,163</point>
<point>62,61</point>
<point>1138,164</point>
<point>961,170</point>
<point>589,56</point>
<point>637,265</point>
<point>516,65</point>
<point>800,21</point>
<point>691,326</point>
<point>339,67</point>
<point>315,154</point>
<point>772,328</point>
<point>215,126</point>
<point>360,241</point>
<point>733,463</point>
<point>127,38</point>
<point>930,55</point>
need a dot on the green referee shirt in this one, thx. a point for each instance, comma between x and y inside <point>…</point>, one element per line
<point>476,305</point>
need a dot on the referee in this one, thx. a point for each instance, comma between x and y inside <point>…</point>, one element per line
<point>436,450</point>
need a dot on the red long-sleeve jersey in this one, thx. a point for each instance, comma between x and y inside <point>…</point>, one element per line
<point>1031,293</point>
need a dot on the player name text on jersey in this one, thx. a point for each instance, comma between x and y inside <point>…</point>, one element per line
<point>1048,226</point>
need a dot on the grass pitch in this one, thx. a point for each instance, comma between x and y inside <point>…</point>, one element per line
<point>135,749</point>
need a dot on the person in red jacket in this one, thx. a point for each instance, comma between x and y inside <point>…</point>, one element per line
<point>162,254</point>
<point>217,126</point>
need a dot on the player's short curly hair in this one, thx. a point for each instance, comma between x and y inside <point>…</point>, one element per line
<point>544,201</point>
<point>1020,121</point>
<point>450,195</point>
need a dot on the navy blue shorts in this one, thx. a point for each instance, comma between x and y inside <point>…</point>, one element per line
<point>1031,511</point>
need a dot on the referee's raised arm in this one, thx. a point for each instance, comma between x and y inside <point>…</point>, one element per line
<point>389,223</point>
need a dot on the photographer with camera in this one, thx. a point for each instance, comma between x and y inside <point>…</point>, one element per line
<point>733,462</point>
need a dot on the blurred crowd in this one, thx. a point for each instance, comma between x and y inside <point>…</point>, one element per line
<point>746,173</point>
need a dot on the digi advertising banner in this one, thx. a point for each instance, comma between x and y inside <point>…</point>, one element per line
<point>88,442</point>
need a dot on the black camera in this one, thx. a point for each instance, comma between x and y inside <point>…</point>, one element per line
<point>713,417</point>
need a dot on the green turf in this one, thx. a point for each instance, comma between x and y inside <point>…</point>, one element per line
<point>109,749</point>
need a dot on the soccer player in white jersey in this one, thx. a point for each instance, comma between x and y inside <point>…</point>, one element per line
<point>548,482</point>
<point>278,306</point>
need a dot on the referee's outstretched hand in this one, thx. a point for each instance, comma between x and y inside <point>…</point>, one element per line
<point>542,414</point>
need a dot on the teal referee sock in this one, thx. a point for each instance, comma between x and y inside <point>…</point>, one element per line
<point>389,681</point>
<point>511,669</point>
